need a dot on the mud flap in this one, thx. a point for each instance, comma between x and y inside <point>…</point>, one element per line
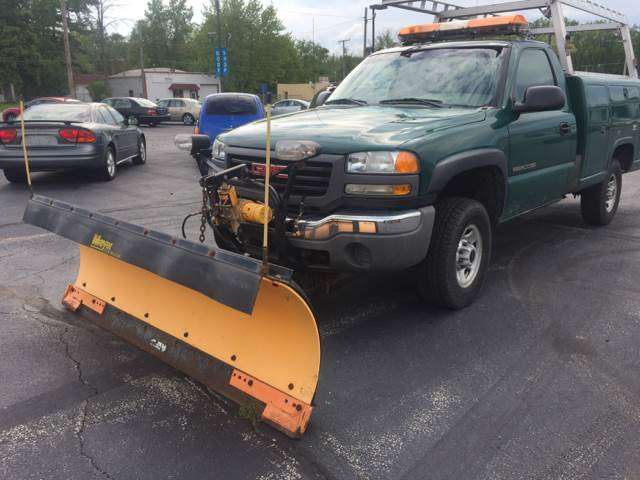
<point>209,313</point>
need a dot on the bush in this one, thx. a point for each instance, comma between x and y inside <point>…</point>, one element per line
<point>98,90</point>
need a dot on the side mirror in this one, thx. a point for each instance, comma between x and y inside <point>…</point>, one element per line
<point>322,97</point>
<point>542,98</point>
<point>125,121</point>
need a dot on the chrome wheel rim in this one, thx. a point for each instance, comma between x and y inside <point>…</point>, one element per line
<point>133,121</point>
<point>468,256</point>
<point>612,193</point>
<point>143,152</point>
<point>188,120</point>
<point>111,164</point>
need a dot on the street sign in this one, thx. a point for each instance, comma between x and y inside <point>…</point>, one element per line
<point>220,61</point>
<point>264,88</point>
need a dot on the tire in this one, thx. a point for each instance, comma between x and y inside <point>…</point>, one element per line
<point>153,124</point>
<point>15,175</point>
<point>109,171</point>
<point>462,233</point>
<point>599,204</point>
<point>188,119</point>
<point>132,120</point>
<point>141,159</point>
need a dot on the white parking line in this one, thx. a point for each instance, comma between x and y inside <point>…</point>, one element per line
<point>10,240</point>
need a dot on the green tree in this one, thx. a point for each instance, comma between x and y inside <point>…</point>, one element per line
<point>386,39</point>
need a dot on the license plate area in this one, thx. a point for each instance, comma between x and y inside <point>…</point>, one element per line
<point>41,141</point>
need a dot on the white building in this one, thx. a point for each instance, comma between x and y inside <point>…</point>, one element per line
<point>163,83</point>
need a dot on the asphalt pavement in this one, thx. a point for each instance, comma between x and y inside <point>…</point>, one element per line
<point>538,379</point>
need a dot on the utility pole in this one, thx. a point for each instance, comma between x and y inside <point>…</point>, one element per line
<point>143,76</point>
<point>67,48</point>
<point>373,30</point>
<point>344,56</point>
<point>366,20</point>
<point>220,37</point>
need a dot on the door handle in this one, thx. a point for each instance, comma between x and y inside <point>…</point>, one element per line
<point>565,128</point>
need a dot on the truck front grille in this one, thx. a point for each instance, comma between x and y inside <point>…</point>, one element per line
<point>311,181</point>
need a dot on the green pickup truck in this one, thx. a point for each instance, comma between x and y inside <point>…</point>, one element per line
<point>423,149</point>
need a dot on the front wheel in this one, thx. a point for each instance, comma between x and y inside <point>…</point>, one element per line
<point>453,273</point>
<point>132,120</point>
<point>599,204</point>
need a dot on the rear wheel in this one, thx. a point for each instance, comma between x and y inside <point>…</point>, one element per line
<point>109,170</point>
<point>188,119</point>
<point>599,204</point>
<point>453,272</point>
<point>153,124</point>
<point>15,175</point>
<point>141,159</point>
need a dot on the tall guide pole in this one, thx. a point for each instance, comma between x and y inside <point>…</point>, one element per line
<point>67,48</point>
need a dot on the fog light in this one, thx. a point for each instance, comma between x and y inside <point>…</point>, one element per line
<point>378,190</point>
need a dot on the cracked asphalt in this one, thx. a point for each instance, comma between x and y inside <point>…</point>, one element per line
<point>537,380</point>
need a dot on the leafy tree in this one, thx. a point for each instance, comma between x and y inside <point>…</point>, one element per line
<point>386,39</point>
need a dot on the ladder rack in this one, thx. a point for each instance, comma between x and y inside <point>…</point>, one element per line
<point>552,9</point>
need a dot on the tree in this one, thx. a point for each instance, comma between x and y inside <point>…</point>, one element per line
<point>164,34</point>
<point>386,39</point>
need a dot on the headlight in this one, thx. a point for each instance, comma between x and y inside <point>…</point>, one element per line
<point>388,163</point>
<point>217,150</point>
<point>296,150</point>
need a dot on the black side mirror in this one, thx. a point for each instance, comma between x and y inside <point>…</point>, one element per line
<point>322,97</point>
<point>125,121</point>
<point>541,98</point>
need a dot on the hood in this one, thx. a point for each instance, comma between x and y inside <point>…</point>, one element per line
<point>346,129</point>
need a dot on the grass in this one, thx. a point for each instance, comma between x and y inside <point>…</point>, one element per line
<point>4,106</point>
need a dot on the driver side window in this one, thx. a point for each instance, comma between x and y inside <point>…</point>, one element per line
<point>534,69</point>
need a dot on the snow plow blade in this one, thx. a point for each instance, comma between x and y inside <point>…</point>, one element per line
<point>207,312</point>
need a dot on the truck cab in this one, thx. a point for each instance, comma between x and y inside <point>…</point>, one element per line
<point>423,149</point>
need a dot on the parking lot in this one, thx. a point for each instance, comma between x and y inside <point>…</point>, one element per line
<point>537,379</point>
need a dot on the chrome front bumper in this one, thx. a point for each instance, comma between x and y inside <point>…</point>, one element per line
<point>368,241</point>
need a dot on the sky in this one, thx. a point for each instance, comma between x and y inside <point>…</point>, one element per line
<point>328,21</point>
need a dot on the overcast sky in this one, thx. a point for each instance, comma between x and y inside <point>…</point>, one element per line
<point>329,21</point>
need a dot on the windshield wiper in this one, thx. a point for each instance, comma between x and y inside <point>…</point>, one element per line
<point>345,101</point>
<point>409,100</point>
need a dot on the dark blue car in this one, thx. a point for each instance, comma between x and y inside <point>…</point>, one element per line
<point>222,112</point>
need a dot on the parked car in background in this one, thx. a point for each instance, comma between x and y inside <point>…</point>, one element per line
<point>14,112</point>
<point>185,110</point>
<point>70,135</point>
<point>290,105</point>
<point>139,111</point>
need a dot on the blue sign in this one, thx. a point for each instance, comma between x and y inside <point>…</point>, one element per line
<point>264,88</point>
<point>220,60</point>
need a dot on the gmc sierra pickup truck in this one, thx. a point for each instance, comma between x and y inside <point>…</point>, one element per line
<point>423,149</point>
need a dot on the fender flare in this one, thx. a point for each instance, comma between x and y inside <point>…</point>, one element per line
<point>619,143</point>
<point>451,166</point>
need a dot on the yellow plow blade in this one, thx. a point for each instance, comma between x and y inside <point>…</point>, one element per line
<point>262,351</point>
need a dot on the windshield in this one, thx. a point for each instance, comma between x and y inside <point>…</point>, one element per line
<point>59,111</point>
<point>465,77</point>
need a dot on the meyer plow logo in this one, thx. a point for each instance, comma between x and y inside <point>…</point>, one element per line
<point>103,245</point>
<point>260,170</point>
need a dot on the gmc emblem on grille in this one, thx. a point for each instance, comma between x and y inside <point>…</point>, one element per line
<point>260,170</point>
